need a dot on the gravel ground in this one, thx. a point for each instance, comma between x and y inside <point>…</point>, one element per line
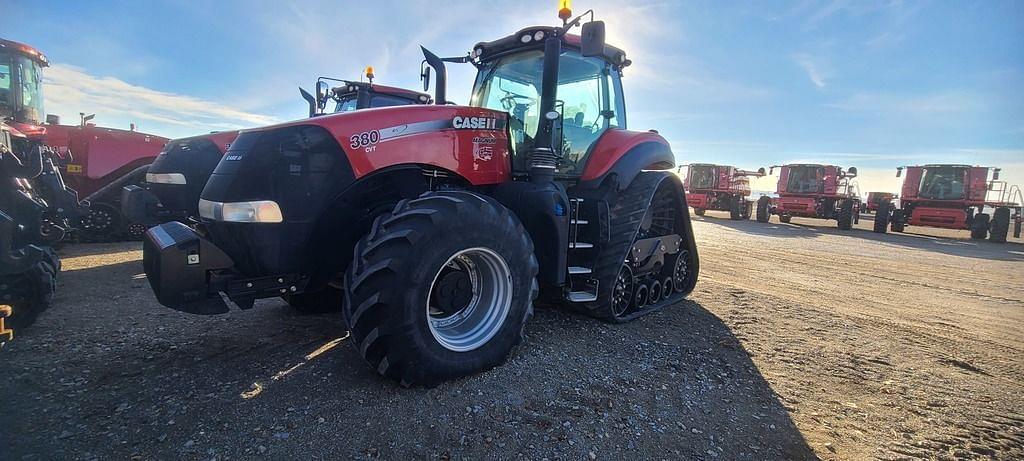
<point>800,341</point>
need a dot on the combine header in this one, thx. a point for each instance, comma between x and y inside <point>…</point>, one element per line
<point>105,159</point>
<point>719,187</point>
<point>439,225</point>
<point>178,175</point>
<point>813,191</point>
<point>954,197</point>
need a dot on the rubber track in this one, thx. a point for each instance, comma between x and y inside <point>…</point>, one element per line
<point>625,217</point>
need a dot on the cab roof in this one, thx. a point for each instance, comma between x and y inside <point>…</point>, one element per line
<point>22,48</point>
<point>485,51</point>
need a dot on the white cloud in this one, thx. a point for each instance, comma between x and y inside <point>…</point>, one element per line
<point>70,90</point>
<point>805,62</point>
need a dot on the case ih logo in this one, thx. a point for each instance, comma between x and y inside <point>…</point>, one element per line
<point>474,123</point>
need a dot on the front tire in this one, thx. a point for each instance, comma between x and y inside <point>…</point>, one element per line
<point>881,225</point>
<point>1000,225</point>
<point>441,288</point>
<point>845,220</point>
<point>763,213</point>
<point>979,227</point>
<point>735,208</point>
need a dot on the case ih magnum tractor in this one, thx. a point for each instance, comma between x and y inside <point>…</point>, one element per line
<point>953,197</point>
<point>106,159</point>
<point>719,187</point>
<point>178,175</point>
<point>813,191</point>
<point>875,199</point>
<point>439,225</point>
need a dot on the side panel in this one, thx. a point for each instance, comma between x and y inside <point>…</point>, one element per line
<point>614,144</point>
<point>472,142</point>
<point>799,206</point>
<point>724,177</point>
<point>977,181</point>
<point>697,200</point>
<point>911,182</point>
<point>783,180</point>
<point>949,218</point>
<point>830,180</point>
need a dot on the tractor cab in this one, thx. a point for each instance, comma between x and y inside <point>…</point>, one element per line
<point>21,83</point>
<point>589,93</point>
<point>701,176</point>
<point>350,96</point>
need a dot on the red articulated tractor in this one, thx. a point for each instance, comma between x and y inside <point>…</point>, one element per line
<point>719,187</point>
<point>433,228</point>
<point>178,175</point>
<point>954,197</point>
<point>813,191</point>
<point>876,198</point>
<point>103,160</point>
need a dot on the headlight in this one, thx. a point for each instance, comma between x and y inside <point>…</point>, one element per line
<point>166,178</point>
<point>259,211</point>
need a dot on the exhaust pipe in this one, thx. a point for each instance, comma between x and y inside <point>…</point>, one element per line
<point>442,76</point>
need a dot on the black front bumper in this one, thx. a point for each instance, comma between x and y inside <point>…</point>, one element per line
<point>188,272</point>
<point>142,206</point>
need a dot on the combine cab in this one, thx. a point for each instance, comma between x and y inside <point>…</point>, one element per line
<point>178,175</point>
<point>105,159</point>
<point>434,228</point>
<point>876,198</point>
<point>954,197</point>
<point>719,187</point>
<point>813,191</point>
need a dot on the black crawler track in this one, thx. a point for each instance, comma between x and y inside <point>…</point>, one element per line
<point>645,197</point>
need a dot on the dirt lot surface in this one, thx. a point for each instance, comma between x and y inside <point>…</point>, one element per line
<point>800,341</point>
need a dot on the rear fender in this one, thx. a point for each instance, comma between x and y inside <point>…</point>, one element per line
<point>620,155</point>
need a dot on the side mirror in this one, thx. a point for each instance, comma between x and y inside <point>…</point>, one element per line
<point>425,77</point>
<point>852,171</point>
<point>995,173</point>
<point>322,93</point>
<point>899,172</point>
<point>309,100</point>
<point>592,39</point>
<point>52,119</point>
<point>771,171</point>
<point>760,171</point>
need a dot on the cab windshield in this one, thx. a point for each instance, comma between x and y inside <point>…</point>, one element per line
<point>702,177</point>
<point>943,183</point>
<point>21,88</point>
<point>589,100</point>
<point>805,179</point>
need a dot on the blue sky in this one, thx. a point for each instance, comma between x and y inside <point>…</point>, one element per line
<point>872,84</point>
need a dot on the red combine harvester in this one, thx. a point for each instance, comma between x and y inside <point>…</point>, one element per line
<point>954,197</point>
<point>178,175</point>
<point>439,225</point>
<point>719,187</point>
<point>876,198</point>
<point>813,191</point>
<point>105,159</point>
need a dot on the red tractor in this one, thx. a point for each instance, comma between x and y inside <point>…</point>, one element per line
<point>954,197</point>
<point>876,198</point>
<point>719,187</point>
<point>178,175</point>
<point>813,191</point>
<point>433,228</point>
<point>106,159</point>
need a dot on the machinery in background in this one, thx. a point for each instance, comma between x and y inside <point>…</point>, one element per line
<point>953,196</point>
<point>719,187</point>
<point>813,191</point>
<point>876,198</point>
<point>105,159</point>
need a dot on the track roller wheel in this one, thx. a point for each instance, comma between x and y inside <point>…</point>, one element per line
<point>441,288</point>
<point>654,291</point>
<point>642,296</point>
<point>666,289</point>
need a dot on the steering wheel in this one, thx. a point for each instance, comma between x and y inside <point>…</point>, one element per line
<point>511,100</point>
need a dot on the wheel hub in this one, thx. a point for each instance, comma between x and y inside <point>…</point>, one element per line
<point>469,299</point>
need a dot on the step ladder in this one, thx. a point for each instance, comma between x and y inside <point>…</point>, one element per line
<point>582,286</point>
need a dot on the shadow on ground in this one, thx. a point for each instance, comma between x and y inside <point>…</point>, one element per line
<point>110,374</point>
<point>803,228</point>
